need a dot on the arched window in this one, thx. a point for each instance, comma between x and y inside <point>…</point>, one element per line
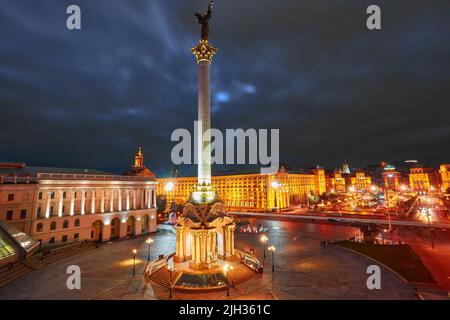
<point>53,225</point>
<point>39,227</point>
<point>77,222</point>
<point>65,224</point>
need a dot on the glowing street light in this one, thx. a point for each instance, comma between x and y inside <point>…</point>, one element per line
<point>149,241</point>
<point>169,186</point>
<point>272,249</point>
<point>264,241</point>
<point>134,261</point>
<point>226,271</point>
<point>275,185</point>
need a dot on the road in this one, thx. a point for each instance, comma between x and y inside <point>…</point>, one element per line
<point>323,217</point>
<point>413,233</point>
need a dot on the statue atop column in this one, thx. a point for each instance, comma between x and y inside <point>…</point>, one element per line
<point>203,20</point>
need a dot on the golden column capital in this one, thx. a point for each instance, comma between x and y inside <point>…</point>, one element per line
<point>204,51</point>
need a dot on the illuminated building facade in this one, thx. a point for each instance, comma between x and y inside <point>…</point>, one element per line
<point>251,192</point>
<point>359,182</point>
<point>62,205</point>
<point>391,178</point>
<point>338,184</point>
<point>444,171</point>
<point>424,179</point>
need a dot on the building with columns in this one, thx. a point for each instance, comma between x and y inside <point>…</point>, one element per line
<point>61,205</point>
<point>251,191</point>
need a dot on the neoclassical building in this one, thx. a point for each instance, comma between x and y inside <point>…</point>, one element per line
<point>250,192</point>
<point>60,205</point>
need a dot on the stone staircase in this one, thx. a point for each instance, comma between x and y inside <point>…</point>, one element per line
<point>240,274</point>
<point>41,259</point>
<point>162,276</point>
<point>8,274</point>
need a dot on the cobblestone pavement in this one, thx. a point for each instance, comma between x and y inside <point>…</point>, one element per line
<point>303,270</point>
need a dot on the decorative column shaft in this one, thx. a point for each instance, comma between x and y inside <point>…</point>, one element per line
<point>83,201</point>
<point>93,201</point>
<point>204,53</point>
<point>72,202</point>
<point>60,203</point>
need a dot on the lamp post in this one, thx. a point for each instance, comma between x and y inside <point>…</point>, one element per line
<point>272,249</point>
<point>226,271</point>
<point>149,242</point>
<point>171,269</point>
<point>264,241</point>
<point>275,185</point>
<point>134,261</point>
<point>428,214</point>
<point>169,186</point>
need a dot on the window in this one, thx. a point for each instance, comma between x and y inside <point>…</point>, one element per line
<point>77,222</point>
<point>52,195</point>
<point>64,238</point>
<point>39,212</point>
<point>11,197</point>
<point>64,195</point>
<point>65,224</point>
<point>75,195</point>
<point>63,209</point>
<point>39,227</point>
<point>52,240</point>
<point>76,236</point>
<point>9,215</point>
<point>23,214</point>
<point>51,210</point>
<point>40,196</point>
<point>53,225</point>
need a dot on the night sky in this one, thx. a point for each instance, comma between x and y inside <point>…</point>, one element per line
<point>336,90</point>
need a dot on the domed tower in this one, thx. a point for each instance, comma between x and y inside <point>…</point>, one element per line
<point>139,168</point>
<point>139,159</point>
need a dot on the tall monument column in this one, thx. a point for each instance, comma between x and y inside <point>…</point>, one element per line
<point>203,53</point>
<point>204,123</point>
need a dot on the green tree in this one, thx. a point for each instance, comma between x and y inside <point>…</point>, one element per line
<point>161,203</point>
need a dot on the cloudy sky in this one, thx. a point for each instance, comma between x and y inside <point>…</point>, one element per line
<point>335,90</point>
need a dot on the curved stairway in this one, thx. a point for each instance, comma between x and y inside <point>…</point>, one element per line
<point>240,274</point>
<point>162,276</point>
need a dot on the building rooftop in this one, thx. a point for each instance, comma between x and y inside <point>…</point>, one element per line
<point>20,173</point>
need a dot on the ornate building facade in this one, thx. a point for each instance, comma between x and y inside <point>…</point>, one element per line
<point>251,192</point>
<point>444,171</point>
<point>61,205</point>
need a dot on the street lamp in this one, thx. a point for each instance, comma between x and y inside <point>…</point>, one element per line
<point>171,269</point>
<point>149,242</point>
<point>275,185</point>
<point>428,214</point>
<point>264,240</point>
<point>226,271</point>
<point>272,249</point>
<point>134,261</point>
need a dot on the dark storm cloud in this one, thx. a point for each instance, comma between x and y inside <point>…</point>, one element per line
<point>311,68</point>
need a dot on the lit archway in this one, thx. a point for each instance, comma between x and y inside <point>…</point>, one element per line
<point>130,226</point>
<point>115,228</point>
<point>144,224</point>
<point>96,230</point>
